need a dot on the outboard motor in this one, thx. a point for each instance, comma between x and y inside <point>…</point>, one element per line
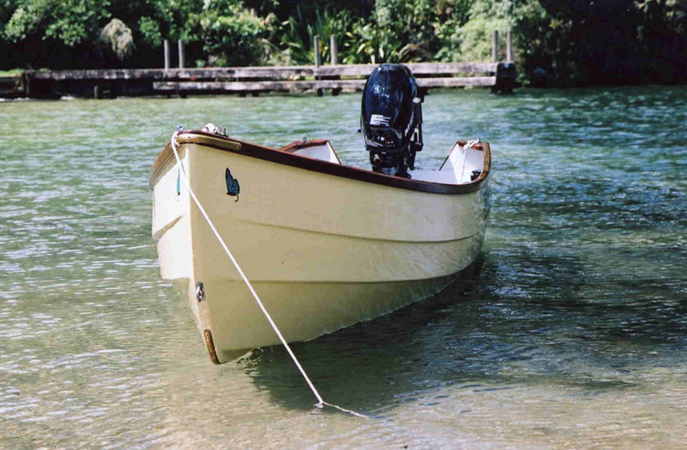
<point>391,119</point>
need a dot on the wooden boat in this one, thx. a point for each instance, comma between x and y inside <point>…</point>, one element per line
<point>326,245</point>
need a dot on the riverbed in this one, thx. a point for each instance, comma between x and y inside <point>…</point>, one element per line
<point>573,336</point>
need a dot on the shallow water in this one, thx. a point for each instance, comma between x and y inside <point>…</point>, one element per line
<point>573,336</point>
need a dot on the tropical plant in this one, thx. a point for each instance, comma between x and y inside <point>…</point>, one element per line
<point>230,33</point>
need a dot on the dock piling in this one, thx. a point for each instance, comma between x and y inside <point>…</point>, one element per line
<point>167,55</point>
<point>180,45</point>
<point>506,76</point>
<point>316,50</point>
<point>495,46</point>
<point>318,60</point>
<point>333,50</point>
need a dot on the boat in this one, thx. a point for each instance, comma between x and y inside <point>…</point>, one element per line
<point>277,245</point>
<point>325,244</point>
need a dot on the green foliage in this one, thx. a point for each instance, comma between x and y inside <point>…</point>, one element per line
<point>69,21</point>
<point>403,30</point>
<point>573,41</point>
<point>150,31</point>
<point>544,42</point>
<point>230,34</point>
<point>25,19</point>
<point>291,41</point>
<point>603,41</point>
<point>392,31</point>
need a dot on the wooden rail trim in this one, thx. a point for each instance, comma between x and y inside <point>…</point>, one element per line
<point>317,165</point>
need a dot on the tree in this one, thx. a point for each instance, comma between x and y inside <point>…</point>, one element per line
<point>230,33</point>
<point>70,22</point>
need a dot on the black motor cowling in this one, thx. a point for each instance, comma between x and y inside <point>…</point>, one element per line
<point>391,119</point>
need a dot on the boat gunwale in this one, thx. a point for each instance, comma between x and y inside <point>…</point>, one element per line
<point>286,157</point>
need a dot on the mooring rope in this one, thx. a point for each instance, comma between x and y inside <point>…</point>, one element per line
<point>320,402</point>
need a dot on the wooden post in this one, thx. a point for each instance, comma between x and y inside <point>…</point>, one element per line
<point>316,49</point>
<point>26,81</point>
<point>333,50</point>
<point>495,46</point>
<point>180,45</point>
<point>509,46</point>
<point>166,50</point>
<point>318,60</point>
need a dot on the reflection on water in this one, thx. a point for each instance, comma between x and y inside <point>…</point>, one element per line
<point>573,336</point>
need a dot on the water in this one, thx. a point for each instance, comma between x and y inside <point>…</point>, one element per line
<point>574,335</point>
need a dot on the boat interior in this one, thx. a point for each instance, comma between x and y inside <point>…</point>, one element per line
<point>463,165</point>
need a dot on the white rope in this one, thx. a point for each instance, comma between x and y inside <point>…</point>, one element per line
<point>320,403</point>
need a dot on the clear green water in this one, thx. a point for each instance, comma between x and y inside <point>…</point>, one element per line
<point>574,336</point>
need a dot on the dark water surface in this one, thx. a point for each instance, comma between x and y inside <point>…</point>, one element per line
<point>575,335</point>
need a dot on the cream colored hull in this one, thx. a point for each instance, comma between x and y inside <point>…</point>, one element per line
<point>322,251</point>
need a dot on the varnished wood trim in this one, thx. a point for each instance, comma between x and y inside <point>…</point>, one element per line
<point>486,148</point>
<point>318,165</point>
<point>212,140</point>
<point>297,145</point>
<point>210,345</point>
<point>477,146</point>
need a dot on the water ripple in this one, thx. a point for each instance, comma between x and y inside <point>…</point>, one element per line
<point>573,335</point>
